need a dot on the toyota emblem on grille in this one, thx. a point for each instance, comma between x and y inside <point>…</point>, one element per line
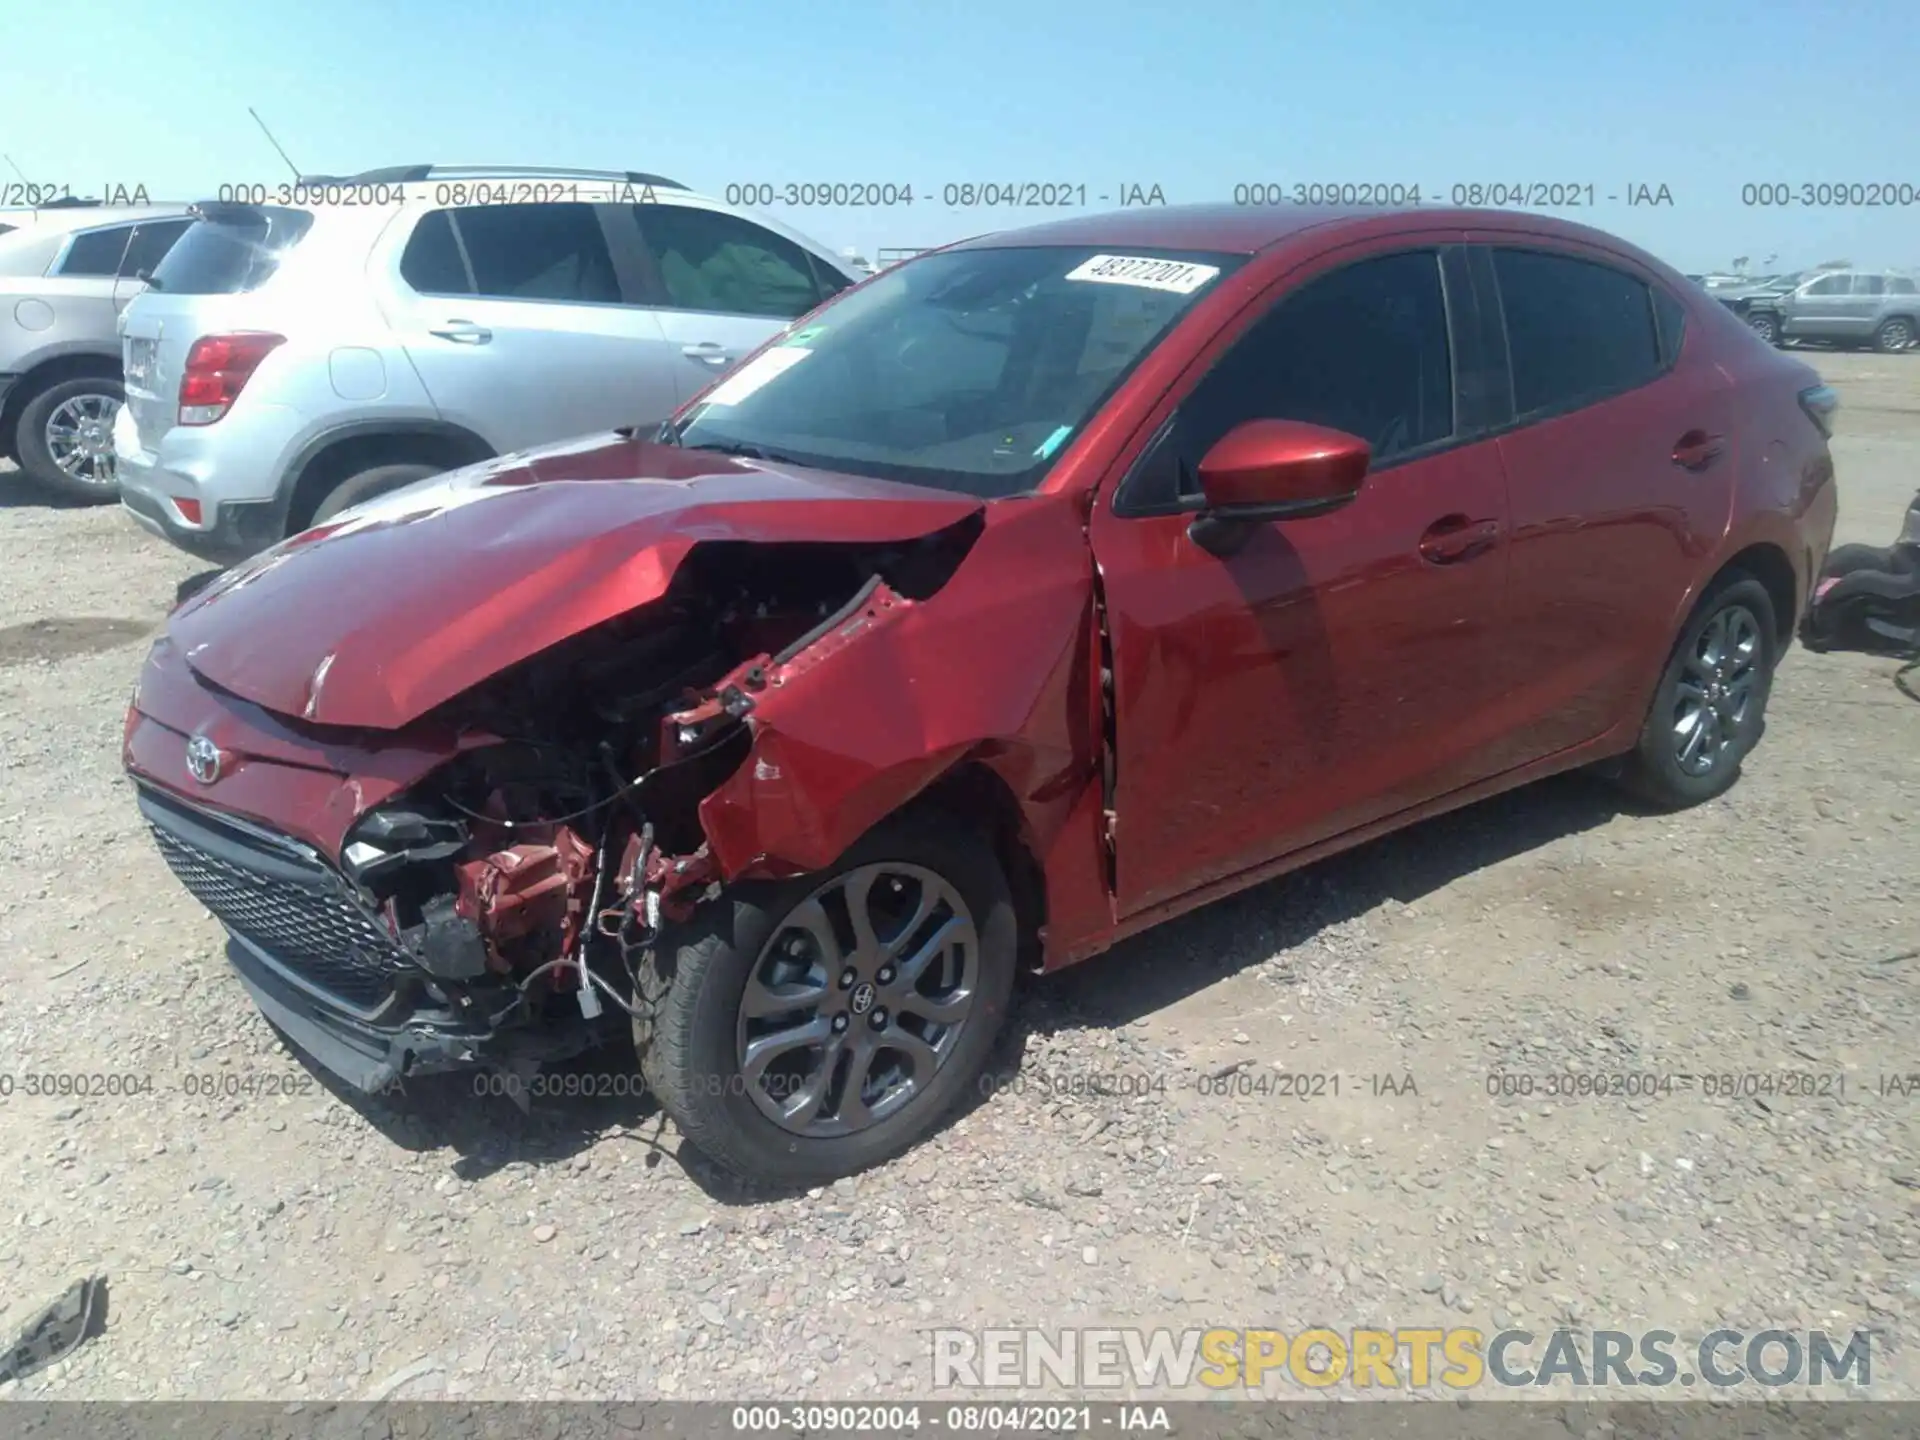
<point>203,759</point>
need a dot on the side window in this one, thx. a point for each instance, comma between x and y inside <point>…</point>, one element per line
<point>1869,284</point>
<point>538,252</point>
<point>1364,350</point>
<point>1901,285</point>
<point>150,245</point>
<point>827,280</point>
<point>1829,285</point>
<point>1670,320</point>
<point>96,252</point>
<point>1576,330</point>
<point>432,263</point>
<point>717,262</point>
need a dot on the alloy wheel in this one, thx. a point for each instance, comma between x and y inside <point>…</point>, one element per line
<point>1896,335</point>
<point>1762,325</point>
<point>1715,694</point>
<point>857,999</point>
<point>79,436</point>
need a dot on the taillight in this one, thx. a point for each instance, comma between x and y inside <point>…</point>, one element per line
<point>1820,403</point>
<point>218,368</point>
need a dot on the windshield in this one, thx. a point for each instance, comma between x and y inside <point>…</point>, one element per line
<point>967,370</point>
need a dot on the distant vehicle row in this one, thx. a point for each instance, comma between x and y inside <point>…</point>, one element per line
<point>1829,305</point>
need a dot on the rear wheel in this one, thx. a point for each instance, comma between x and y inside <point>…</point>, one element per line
<point>65,438</point>
<point>1710,708</point>
<point>804,1030</point>
<point>366,484</point>
<point>1894,335</point>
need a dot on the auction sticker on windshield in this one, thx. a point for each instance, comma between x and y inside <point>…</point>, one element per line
<point>1180,276</point>
<point>755,373</point>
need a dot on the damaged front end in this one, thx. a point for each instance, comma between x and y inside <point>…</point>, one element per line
<point>492,908</point>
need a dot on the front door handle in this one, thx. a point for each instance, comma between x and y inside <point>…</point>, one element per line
<point>463,332</point>
<point>1458,537</point>
<point>708,352</point>
<point>1696,449</point>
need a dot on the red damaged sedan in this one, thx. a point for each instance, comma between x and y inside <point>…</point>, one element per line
<point>1028,594</point>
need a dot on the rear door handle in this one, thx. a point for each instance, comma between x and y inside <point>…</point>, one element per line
<point>464,332</point>
<point>708,352</point>
<point>1458,537</point>
<point>1696,449</point>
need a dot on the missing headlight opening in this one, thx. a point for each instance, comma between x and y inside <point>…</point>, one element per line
<point>537,865</point>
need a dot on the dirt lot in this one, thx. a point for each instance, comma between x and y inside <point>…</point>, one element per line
<point>299,1246</point>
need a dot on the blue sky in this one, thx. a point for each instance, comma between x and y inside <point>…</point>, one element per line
<point>1196,97</point>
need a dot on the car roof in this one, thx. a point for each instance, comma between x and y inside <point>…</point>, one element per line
<point>64,219</point>
<point>1250,229</point>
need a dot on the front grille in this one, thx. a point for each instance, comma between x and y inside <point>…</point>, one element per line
<point>291,906</point>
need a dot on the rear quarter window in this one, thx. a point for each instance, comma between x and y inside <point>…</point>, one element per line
<point>230,250</point>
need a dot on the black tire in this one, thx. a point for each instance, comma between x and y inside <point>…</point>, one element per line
<point>29,440</point>
<point>689,1035</point>
<point>1765,324</point>
<point>366,484</point>
<point>1655,770</point>
<point>1894,335</point>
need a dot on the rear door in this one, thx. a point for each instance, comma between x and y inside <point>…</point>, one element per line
<point>517,321</point>
<point>723,285</point>
<point>1864,299</point>
<point>79,284</point>
<point>1619,459</point>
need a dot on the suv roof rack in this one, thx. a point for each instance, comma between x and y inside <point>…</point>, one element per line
<point>409,174</point>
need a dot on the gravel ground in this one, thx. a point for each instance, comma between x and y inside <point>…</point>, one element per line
<point>292,1245</point>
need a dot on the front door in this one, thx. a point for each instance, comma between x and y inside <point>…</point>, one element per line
<point>1336,669</point>
<point>1820,308</point>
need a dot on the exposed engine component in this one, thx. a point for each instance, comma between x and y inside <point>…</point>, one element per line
<point>570,827</point>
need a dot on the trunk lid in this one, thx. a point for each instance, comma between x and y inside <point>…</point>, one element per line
<point>378,617</point>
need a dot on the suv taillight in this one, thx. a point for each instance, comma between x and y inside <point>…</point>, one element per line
<point>218,368</point>
<point>1820,402</point>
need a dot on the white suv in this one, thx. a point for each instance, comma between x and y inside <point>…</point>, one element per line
<point>303,348</point>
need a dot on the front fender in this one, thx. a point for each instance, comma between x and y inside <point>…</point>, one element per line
<point>993,667</point>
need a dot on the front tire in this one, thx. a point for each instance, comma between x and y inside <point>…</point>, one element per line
<point>65,439</point>
<point>803,1030</point>
<point>1709,710</point>
<point>1764,324</point>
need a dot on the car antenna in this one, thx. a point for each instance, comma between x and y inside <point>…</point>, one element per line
<point>273,142</point>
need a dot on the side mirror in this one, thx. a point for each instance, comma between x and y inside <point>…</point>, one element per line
<point>1275,470</point>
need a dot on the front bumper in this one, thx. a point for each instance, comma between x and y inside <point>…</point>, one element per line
<point>324,969</point>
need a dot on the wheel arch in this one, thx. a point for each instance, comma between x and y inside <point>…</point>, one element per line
<point>48,369</point>
<point>342,450</point>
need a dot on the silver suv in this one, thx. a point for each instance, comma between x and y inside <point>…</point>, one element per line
<point>66,271</point>
<point>1880,308</point>
<point>295,357</point>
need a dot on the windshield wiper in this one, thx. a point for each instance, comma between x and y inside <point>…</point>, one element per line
<point>744,451</point>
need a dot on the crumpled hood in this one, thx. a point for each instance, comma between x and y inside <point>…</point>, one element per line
<point>401,604</point>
